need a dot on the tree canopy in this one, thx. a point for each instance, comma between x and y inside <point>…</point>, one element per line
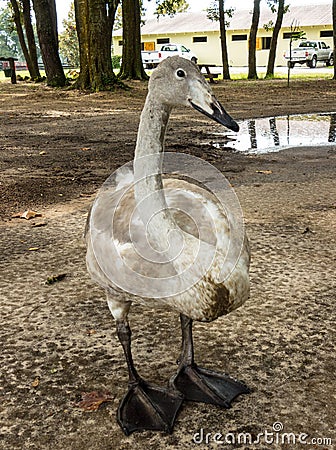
<point>9,40</point>
<point>87,37</point>
<point>68,41</point>
<point>171,7</point>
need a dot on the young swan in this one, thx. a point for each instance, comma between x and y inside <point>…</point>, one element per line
<point>135,230</point>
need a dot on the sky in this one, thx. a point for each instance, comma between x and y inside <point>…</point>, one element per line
<point>196,5</point>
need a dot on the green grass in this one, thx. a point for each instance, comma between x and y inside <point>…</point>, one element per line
<point>2,76</point>
<point>283,76</point>
<point>293,76</point>
<point>22,73</point>
<point>327,74</point>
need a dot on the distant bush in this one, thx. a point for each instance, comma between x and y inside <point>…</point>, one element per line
<point>116,61</point>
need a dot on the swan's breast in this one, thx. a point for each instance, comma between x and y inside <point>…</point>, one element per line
<point>115,224</point>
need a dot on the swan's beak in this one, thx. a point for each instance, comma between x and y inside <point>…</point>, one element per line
<point>215,111</point>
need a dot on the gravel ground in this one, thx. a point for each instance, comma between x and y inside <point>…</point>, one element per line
<point>58,340</point>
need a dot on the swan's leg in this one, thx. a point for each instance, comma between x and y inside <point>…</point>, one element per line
<point>202,385</point>
<point>145,406</point>
<point>124,334</point>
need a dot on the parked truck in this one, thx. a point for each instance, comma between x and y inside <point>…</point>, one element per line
<point>153,58</point>
<point>310,52</point>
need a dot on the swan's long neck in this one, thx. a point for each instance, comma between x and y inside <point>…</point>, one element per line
<point>149,194</point>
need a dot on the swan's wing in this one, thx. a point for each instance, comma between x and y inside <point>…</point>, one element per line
<point>114,214</point>
<point>119,252</point>
<point>196,210</point>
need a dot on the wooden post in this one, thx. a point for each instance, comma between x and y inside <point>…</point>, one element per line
<point>12,67</point>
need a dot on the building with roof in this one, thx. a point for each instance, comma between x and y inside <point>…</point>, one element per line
<point>202,36</point>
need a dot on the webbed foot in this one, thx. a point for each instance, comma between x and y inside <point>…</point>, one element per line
<point>207,386</point>
<point>148,407</point>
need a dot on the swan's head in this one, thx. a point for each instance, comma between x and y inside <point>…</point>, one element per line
<point>178,81</point>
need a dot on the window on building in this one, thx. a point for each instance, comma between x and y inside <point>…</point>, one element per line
<point>239,37</point>
<point>326,33</point>
<point>200,39</point>
<point>289,34</point>
<point>162,41</point>
<point>266,43</point>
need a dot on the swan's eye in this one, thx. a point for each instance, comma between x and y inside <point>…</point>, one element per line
<point>180,73</point>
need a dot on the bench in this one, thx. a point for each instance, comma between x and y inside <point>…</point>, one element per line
<point>11,66</point>
<point>211,76</point>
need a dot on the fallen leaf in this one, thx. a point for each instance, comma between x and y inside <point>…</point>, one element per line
<point>17,215</point>
<point>28,214</point>
<point>55,278</point>
<point>92,400</point>
<point>85,195</point>
<point>36,382</point>
<point>39,224</point>
<point>43,152</point>
<point>90,332</point>
<point>265,172</point>
<point>85,149</point>
<point>33,249</point>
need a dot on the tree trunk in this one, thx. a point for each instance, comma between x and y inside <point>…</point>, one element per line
<point>274,40</point>
<point>19,30</point>
<point>82,28</point>
<point>132,67</point>
<point>33,68</point>
<point>94,23</point>
<point>252,62</point>
<point>53,19</point>
<point>334,33</point>
<point>12,68</point>
<point>47,34</point>
<point>225,59</point>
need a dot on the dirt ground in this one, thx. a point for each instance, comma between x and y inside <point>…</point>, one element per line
<point>58,340</point>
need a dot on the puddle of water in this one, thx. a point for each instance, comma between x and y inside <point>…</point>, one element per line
<point>273,134</point>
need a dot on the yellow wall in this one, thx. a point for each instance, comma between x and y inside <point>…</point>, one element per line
<point>207,52</point>
<point>237,50</point>
<point>210,51</point>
